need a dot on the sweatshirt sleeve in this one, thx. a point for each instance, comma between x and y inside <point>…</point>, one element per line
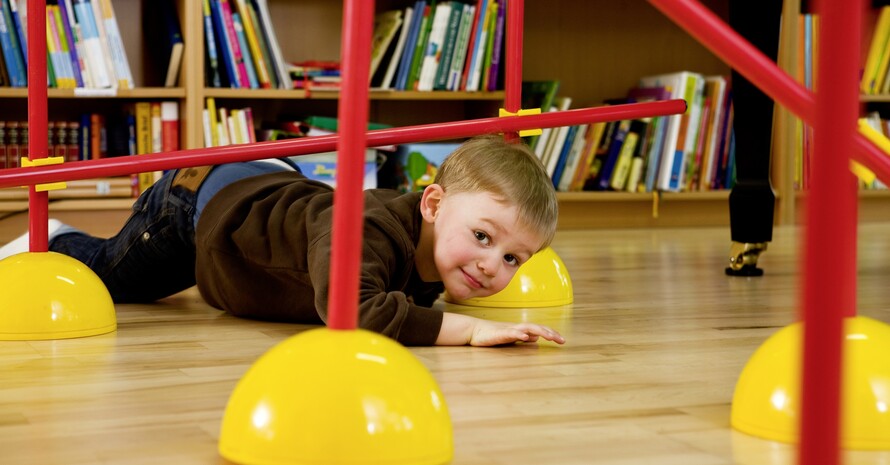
<point>384,306</point>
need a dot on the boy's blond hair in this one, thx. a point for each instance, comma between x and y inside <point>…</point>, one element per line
<point>510,171</point>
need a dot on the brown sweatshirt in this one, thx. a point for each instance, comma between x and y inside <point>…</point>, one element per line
<point>263,252</point>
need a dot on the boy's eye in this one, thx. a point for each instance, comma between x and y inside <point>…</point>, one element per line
<point>511,259</point>
<point>481,237</point>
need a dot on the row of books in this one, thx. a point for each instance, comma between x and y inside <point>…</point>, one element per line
<point>445,45</point>
<point>676,153</point>
<point>874,75</point>
<point>84,45</point>
<point>241,47</point>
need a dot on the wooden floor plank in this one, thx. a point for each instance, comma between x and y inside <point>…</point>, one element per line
<point>657,337</point>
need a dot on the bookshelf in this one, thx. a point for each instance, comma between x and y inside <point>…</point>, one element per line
<point>597,51</point>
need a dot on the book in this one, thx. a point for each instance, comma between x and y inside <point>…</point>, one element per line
<point>18,24</point>
<point>426,24</point>
<point>633,141</point>
<point>94,54</point>
<point>472,47</point>
<point>265,50</point>
<point>497,49</point>
<point>716,89</point>
<point>594,134</point>
<point>211,55</point>
<point>67,33</point>
<point>386,26</point>
<point>393,64</point>
<point>64,74</point>
<point>552,153</point>
<point>246,56</point>
<point>477,57</point>
<point>579,142</point>
<point>410,45</point>
<point>538,94</point>
<point>143,140</point>
<point>169,126</point>
<point>67,9</point>
<point>604,176</point>
<point>228,71</point>
<point>444,66</point>
<point>257,54</point>
<point>162,29</point>
<point>265,21</point>
<point>12,55</point>
<point>107,54</point>
<point>460,48</point>
<point>237,56</point>
<point>485,69</point>
<point>562,158</point>
<point>117,53</point>
<point>432,55</point>
<point>875,63</point>
<point>670,158</point>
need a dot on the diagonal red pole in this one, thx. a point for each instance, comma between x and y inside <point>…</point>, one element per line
<point>346,245</point>
<point>829,285</point>
<point>720,39</point>
<point>513,59</point>
<point>38,202</point>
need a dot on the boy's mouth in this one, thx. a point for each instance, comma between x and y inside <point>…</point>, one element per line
<point>471,280</point>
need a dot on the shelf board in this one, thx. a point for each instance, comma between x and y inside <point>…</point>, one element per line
<point>374,94</point>
<point>141,92</point>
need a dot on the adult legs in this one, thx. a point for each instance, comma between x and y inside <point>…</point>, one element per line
<point>752,201</point>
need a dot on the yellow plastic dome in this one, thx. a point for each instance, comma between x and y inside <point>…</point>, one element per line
<point>542,281</point>
<point>337,397</point>
<point>766,402</point>
<point>47,295</point>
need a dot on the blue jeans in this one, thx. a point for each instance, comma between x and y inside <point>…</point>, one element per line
<point>153,255</point>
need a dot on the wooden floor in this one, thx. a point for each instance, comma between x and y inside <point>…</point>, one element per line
<point>656,340</point>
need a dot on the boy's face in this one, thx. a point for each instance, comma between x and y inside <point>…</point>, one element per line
<point>478,243</point>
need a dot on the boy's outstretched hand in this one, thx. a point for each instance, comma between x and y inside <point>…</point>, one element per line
<point>462,330</point>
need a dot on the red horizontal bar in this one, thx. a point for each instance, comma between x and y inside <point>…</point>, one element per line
<point>120,166</point>
<point>733,49</point>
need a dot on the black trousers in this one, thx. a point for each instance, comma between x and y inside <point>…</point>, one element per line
<point>752,201</point>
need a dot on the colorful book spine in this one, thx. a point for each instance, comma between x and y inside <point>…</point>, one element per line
<point>94,53</point>
<point>15,65</point>
<point>67,36</point>
<point>247,59</point>
<point>253,45</point>
<point>497,48</point>
<point>225,47</point>
<point>213,79</point>
<point>118,54</point>
<point>232,39</point>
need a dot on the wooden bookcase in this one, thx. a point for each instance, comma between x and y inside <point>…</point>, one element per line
<point>598,50</point>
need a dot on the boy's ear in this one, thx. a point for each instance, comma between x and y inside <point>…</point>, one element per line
<point>430,202</point>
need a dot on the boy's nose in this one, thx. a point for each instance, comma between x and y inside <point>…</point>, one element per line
<point>488,265</point>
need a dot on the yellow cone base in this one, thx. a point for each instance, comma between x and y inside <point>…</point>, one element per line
<point>767,403</point>
<point>337,397</point>
<point>47,295</point>
<point>542,281</point>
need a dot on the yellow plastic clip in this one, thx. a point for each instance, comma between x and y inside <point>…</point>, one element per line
<point>27,162</point>
<point>530,111</point>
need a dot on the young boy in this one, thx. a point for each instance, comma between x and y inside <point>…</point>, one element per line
<point>255,237</point>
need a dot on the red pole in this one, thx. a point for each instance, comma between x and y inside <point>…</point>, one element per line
<point>346,245</point>
<point>720,39</point>
<point>513,72</point>
<point>421,133</point>
<point>830,277</point>
<point>38,202</point>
